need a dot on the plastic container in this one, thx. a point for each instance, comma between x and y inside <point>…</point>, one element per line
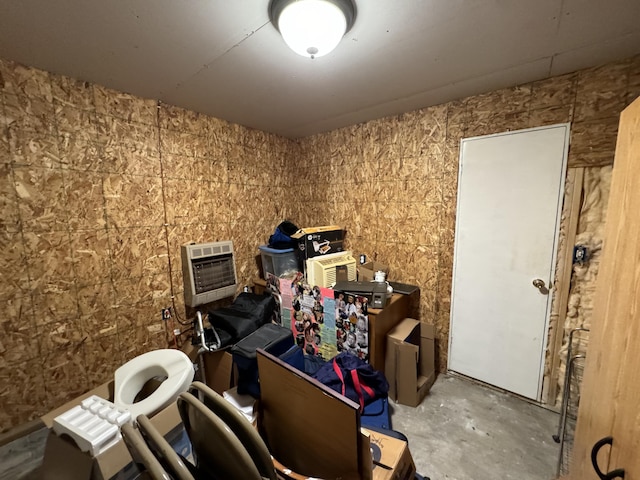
<point>278,262</point>
<point>273,339</point>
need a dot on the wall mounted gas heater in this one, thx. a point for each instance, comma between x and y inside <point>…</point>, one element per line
<point>209,272</point>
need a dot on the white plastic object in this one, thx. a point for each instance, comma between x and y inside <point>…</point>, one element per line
<point>131,377</point>
<point>245,404</point>
<point>94,424</point>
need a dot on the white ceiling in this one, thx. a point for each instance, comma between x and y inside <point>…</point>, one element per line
<point>224,58</point>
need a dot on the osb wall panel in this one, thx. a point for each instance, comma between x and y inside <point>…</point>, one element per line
<point>99,189</point>
<point>393,181</point>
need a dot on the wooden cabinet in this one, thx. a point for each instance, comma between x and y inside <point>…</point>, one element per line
<point>381,321</point>
<point>610,400</point>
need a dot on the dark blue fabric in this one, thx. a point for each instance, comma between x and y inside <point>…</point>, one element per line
<point>281,238</point>
<point>294,357</point>
<point>376,415</point>
<point>312,364</point>
<point>367,375</point>
<point>376,408</point>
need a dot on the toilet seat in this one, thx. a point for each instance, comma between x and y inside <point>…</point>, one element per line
<point>131,377</point>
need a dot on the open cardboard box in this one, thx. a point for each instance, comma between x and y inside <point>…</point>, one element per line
<point>391,457</point>
<point>367,271</point>
<point>219,370</point>
<point>63,460</point>
<point>410,361</point>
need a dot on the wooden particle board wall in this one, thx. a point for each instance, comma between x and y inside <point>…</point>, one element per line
<point>100,188</point>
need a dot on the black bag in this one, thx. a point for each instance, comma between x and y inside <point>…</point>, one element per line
<point>270,337</point>
<point>247,313</point>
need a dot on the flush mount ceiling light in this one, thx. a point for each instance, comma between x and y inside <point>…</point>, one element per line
<point>312,28</point>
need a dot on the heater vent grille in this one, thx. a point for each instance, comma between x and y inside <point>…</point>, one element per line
<point>209,272</point>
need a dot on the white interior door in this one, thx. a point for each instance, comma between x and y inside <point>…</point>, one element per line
<point>508,214</point>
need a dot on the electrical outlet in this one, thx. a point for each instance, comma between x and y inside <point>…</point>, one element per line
<point>166,313</point>
<point>580,254</point>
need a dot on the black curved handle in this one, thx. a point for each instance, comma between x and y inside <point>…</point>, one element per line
<point>617,473</point>
<point>613,474</point>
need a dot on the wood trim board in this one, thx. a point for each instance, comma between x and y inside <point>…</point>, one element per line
<point>564,279</point>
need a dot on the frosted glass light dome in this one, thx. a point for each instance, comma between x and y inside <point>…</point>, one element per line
<point>312,28</point>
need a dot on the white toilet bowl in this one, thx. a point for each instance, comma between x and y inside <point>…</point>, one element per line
<point>131,377</point>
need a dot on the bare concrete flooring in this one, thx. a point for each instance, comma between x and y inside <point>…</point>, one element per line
<point>21,458</point>
<point>461,431</point>
<point>465,431</point>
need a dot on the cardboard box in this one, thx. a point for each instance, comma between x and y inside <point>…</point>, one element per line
<point>410,361</point>
<point>367,271</point>
<point>392,459</point>
<point>64,460</point>
<point>219,370</point>
<point>316,241</point>
<point>389,457</point>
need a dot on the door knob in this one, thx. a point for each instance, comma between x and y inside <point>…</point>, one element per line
<point>539,284</point>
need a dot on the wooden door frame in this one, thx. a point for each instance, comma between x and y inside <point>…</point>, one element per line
<point>562,289</point>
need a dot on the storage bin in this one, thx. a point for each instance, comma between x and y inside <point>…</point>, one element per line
<point>270,337</point>
<point>278,262</point>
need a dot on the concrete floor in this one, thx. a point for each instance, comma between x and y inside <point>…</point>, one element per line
<point>461,431</point>
<point>21,458</point>
<point>465,431</point>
